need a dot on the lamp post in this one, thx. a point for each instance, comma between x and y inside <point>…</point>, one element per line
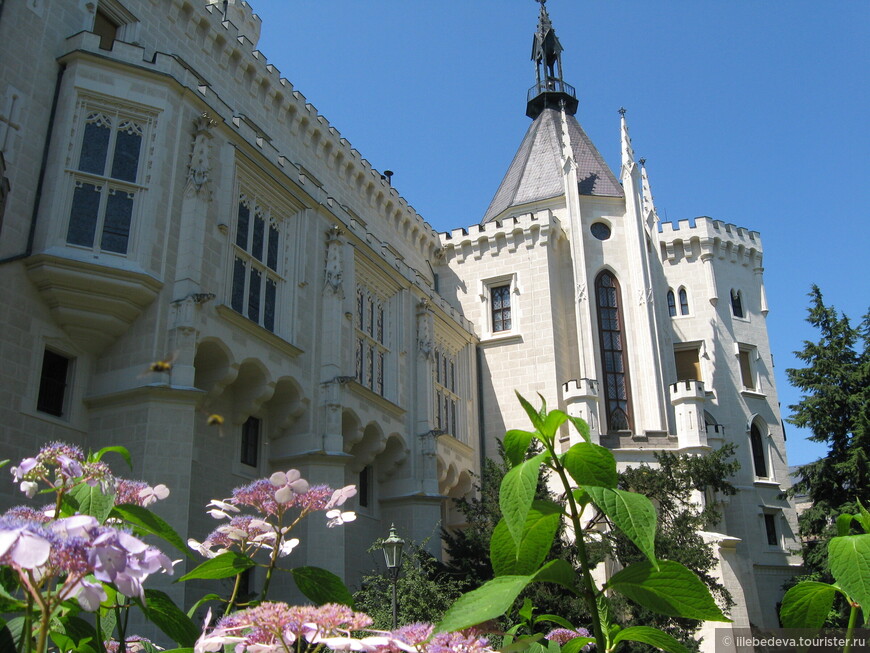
<point>393,557</point>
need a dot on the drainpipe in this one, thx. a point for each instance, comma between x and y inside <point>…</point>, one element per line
<point>41,179</point>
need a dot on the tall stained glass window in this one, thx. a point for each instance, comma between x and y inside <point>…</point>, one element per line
<point>617,393</point>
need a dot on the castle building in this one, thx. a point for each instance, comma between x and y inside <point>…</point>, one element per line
<point>167,195</point>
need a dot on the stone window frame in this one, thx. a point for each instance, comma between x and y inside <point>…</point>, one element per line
<point>611,403</point>
<point>240,467</point>
<point>73,409</point>
<point>758,441</point>
<point>738,305</point>
<point>88,105</point>
<point>126,23</point>
<point>699,349</point>
<point>771,518</point>
<point>748,369</point>
<point>372,342</point>
<point>246,264</point>
<point>448,416</point>
<point>511,280</point>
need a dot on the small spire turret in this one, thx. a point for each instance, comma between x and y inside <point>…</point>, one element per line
<point>550,89</point>
<point>627,150</point>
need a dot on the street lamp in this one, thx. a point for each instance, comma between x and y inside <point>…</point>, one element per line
<point>393,557</point>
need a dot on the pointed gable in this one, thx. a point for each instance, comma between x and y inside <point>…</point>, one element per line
<point>536,170</point>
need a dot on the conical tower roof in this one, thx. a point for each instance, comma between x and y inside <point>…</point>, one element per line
<point>536,171</point>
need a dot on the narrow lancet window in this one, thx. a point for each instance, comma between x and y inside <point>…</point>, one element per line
<point>617,394</point>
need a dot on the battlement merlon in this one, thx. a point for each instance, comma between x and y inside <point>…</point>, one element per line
<point>710,238</point>
<point>529,230</point>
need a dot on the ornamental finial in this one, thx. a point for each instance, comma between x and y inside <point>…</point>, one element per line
<point>622,111</point>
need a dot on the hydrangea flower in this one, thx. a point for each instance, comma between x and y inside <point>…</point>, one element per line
<point>134,644</point>
<point>60,466</point>
<point>138,493</point>
<point>564,635</point>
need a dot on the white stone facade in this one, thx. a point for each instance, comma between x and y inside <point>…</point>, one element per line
<point>174,198</point>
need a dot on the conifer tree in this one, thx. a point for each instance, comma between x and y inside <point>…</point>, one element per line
<point>835,407</point>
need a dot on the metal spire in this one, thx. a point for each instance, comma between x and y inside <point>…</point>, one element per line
<point>550,89</point>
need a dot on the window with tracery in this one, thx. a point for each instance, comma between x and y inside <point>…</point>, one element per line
<point>737,303</point>
<point>256,262</point>
<point>756,443</point>
<point>107,180</point>
<point>617,394</point>
<point>672,304</point>
<point>371,339</point>
<point>684,302</point>
<point>446,399</point>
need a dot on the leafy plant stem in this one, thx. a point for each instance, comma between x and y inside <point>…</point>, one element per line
<point>588,583</point>
<point>853,620</point>
<point>232,602</point>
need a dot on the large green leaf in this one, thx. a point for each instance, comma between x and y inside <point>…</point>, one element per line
<point>560,572</point>
<point>844,524</point>
<point>11,633</point>
<point>807,604</point>
<point>631,513</point>
<point>146,522</point>
<point>321,586</point>
<point>534,415</point>
<point>652,636</point>
<point>672,590</point>
<point>205,599</point>
<point>92,501</point>
<point>516,443</point>
<point>581,426</point>
<point>161,610</point>
<point>517,493</point>
<point>551,424</point>
<point>849,559</point>
<point>509,559</point>
<point>556,619</point>
<point>75,634</point>
<point>577,644</point>
<point>490,600</point>
<point>224,565</point>
<point>863,517</point>
<point>590,464</point>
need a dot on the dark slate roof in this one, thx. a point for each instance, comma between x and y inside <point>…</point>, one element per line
<point>536,171</point>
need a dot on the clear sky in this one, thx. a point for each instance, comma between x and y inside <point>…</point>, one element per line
<point>754,113</point>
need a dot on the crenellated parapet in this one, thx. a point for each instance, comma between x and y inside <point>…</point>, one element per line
<point>707,239</point>
<point>509,235</point>
<point>299,139</point>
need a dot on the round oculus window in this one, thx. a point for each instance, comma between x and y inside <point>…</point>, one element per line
<point>600,230</point>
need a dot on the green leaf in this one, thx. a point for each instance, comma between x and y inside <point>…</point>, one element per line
<point>65,643</point>
<point>651,636</point>
<point>590,464</point>
<point>556,619</point>
<point>807,604</point>
<point>490,600</point>
<point>516,443</point>
<point>581,426</point>
<point>863,517</point>
<point>849,559</point>
<point>146,522</point>
<point>161,610</point>
<point>533,414</point>
<point>844,524</point>
<point>75,634</point>
<point>560,572</point>
<point>552,422</point>
<point>121,451</point>
<point>321,586</point>
<point>517,493</point>
<point>203,600</point>
<point>11,634</point>
<point>508,559</point>
<point>224,565</point>
<point>526,610</point>
<point>631,513</point>
<point>671,590</point>
<point>576,645</point>
<point>92,501</point>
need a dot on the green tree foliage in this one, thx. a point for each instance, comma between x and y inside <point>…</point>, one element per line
<point>835,406</point>
<point>424,590</point>
<point>670,486</point>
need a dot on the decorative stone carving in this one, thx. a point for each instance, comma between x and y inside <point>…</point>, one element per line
<point>199,173</point>
<point>424,329</point>
<point>581,292</point>
<point>333,283</point>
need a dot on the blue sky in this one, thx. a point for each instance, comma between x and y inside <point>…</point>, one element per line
<point>750,112</point>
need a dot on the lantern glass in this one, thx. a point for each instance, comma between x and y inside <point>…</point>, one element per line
<point>393,548</point>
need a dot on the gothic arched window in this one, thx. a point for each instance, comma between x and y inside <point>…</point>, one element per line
<point>684,302</point>
<point>737,303</point>
<point>757,445</point>
<point>672,304</point>
<point>617,394</point>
